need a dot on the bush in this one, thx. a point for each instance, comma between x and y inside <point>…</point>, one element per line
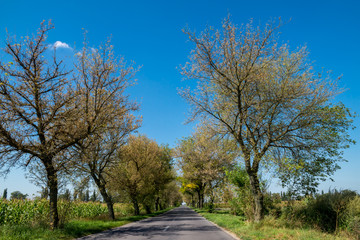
<point>326,212</point>
<point>352,217</point>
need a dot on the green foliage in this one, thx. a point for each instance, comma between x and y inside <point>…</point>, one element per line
<point>351,220</point>
<point>328,212</point>
<point>72,229</point>
<point>18,195</point>
<point>303,170</point>
<point>142,173</point>
<point>242,204</point>
<point>36,212</point>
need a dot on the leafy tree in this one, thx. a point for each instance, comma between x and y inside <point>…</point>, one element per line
<point>18,195</point>
<point>143,170</point>
<point>268,99</point>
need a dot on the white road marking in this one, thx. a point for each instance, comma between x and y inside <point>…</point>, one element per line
<point>166,228</point>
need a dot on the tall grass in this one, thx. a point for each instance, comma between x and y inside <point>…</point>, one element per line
<point>21,212</point>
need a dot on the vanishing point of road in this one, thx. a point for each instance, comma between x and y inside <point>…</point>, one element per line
<point>181,223</point>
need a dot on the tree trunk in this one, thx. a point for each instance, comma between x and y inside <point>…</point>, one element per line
<point>202,200</point>
<point>147,209</point>
<point>53,187</point>
<point>136,207</point>
<point>157,204</point>
<point>106,196</point>
<point>199,199</point>
<point>257,195</point>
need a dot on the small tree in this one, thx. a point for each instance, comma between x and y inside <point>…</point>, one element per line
<point>268,99</point>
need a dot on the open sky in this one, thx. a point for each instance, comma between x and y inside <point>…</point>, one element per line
<point>149,33</point>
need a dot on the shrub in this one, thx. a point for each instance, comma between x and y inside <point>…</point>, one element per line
<point>351,220</point>
<point>326,212</point>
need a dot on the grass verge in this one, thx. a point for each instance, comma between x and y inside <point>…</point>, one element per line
<point>270,228</point>
<point>72,229</point>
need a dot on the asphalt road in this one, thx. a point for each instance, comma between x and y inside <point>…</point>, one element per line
<point>181,223</point>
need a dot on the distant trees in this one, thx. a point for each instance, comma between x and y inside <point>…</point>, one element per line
<point>269,100</point>
<point>18,195</point>
<point>203,159</point>
<point>48,108</point>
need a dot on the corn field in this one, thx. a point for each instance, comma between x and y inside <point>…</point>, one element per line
<point>37,211</point>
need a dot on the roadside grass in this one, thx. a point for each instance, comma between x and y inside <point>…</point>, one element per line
<point>72,229</point>
<point>269,228</point>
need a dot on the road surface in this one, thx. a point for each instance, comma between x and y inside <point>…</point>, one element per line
<point>181,223</point>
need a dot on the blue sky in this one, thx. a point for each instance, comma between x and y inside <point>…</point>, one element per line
<point>149,33</point>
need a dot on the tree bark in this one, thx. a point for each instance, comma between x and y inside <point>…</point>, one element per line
<point>157,204</point>
<point>53,187</point>
<point>147,209</point>
<point>199,199</point>
<point>105,196</point>
<point>257,195</point>
<point>136,207</point>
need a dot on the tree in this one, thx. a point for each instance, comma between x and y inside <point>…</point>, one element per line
<point>111,77</point>
<point>267,98</point>
<point>46,110</point>
<point>4,196</point>
<point>143,170</point>
<point>203,159</point>
<point>18,195</point>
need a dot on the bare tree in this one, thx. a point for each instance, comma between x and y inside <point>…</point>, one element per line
<point>105,78</point>
<point>267,98</point>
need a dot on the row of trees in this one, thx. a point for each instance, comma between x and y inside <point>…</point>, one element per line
<point>14,195</point>
<point>57,118</point>
<point>261,104</point>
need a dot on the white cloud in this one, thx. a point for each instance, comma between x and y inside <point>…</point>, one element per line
<point>59,44</point>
